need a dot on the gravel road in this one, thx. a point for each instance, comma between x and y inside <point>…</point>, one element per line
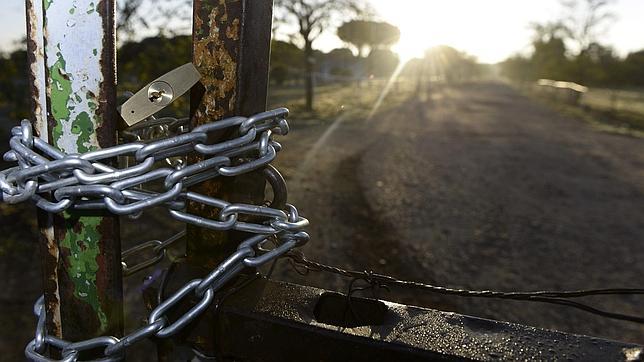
<point>477,187</point>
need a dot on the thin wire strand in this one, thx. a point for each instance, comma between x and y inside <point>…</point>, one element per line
<point>298,260</point>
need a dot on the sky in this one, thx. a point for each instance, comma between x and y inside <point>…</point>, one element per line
<point>490,30</point>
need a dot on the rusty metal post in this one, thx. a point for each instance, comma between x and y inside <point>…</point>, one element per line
<point>73,83</point>
<point>231,49</point>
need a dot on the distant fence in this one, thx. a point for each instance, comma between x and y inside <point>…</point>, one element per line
<point>602,99</point>
<point>568,92</point>
<point>615,100</point>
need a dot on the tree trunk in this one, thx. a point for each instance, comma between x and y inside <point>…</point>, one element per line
<point>361,66</point>
<point>309,81</point>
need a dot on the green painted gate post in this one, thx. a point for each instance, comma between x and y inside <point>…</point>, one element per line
<point>72,67</point>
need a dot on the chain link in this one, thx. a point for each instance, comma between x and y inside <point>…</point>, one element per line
<point>55,182</point>
<point>82,182</point>
<point>156,247</point>
<point>158,324</point>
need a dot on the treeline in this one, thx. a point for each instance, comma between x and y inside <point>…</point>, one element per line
<point>569,48</point>
<point>445,64</point>
<point>140,62</point>
<point>595,66</point>
<point>14,92</point>
<point>338,65</point>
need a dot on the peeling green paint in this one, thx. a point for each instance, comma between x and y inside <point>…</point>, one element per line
<point>83,251</point>
<point>61,91</point>
<point>82,235</point>
<point>74,88</point>
<point>62,105</point>
<point>83,127</point>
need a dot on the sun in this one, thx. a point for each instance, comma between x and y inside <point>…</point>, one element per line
<point>411,45</point>
<point>467,25</point>
<point>418,30</point>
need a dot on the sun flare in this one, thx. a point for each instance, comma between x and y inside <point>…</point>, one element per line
<point>464,25</point>
<point>415,38</point>
<point>418,28</point>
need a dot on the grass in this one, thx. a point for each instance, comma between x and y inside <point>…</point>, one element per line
<point>613,111</point>
<point>332,100</point>
<point>615,100</point>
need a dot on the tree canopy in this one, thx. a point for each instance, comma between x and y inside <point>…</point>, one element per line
<point>363,34</point>
<point>451,65</point>
<point>310,18</point>
<point>568,49</point>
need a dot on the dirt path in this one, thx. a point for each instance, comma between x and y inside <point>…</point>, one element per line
<point>478,187</point>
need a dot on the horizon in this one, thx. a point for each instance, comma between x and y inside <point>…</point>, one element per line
<point>439,23</point>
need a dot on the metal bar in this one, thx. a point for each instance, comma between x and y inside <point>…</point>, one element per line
<point>261,322</point>
<point>73,83</point>
<point>231,49</point>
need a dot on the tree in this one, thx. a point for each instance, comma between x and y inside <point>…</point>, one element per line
<point>516,68</point>
<point>127,17</point>
<point>597,65</point>
<point>141,62</point>
<point>363,34</point>
<point>451,65</point>
<point>585,20</point>
<point>282,67</point>
<point>14,93</point>
<point>132,16</point>
<point>343,55</point>
<point>632,69</point>
<point>340,63</point>
<point>579,26</point>
<point>311,18</point>
<point>549,30</point>
<point>382,62</point>
<point>549,59</point>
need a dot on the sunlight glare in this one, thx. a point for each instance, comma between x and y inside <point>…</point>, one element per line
<point>418,28</point>
<point>414,33</point>
<point>462,24</point>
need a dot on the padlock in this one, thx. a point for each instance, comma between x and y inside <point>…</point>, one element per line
<point>159,93</point>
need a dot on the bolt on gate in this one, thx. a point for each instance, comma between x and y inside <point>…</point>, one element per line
<point>72,77</point>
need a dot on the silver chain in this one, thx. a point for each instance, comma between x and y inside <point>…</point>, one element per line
<point>86,182</point>
<point>81,182</point>
<point>158,249</point>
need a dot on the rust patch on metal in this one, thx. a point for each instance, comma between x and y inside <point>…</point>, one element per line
<point>231,47</point>
<point>109,258</point>
<point>35,60</point>
<point>216,54</point>
<point>633,354</point>
<point>50,256</point>
<point>106,110</point>
<point>48,246</point>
